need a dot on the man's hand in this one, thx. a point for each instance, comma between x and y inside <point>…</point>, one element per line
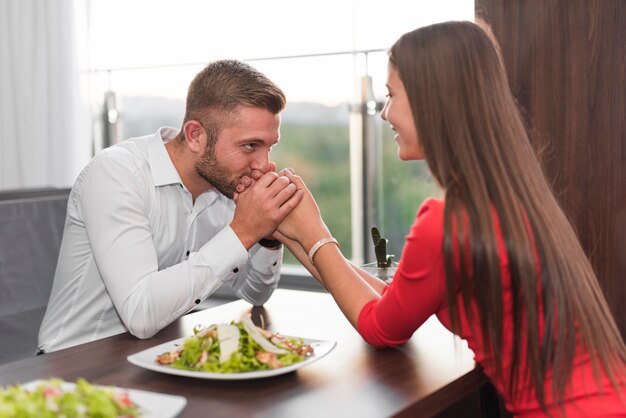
<point>246,181</point>
<point>262,206</point>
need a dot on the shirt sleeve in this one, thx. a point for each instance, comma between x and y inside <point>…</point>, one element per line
<point>261,276</point>
<point>113,205</point>
<point>418,288</point>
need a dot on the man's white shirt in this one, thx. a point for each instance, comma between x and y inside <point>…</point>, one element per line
<point>137,252</point>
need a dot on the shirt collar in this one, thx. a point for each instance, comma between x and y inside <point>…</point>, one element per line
<point>162,168</point>
<point>209,197</point>
<point>161,165</point>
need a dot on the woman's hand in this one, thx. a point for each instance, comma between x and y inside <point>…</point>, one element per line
<point>304,224</point>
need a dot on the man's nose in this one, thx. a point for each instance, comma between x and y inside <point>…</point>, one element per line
<point>261,162</point>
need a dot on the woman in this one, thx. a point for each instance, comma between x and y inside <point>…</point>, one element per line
<point>496,259</point>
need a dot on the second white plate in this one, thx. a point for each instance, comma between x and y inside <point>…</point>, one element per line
<point>151,404</point>
<point>146,359</point>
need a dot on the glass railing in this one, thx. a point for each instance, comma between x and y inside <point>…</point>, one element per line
<point>325,131</point>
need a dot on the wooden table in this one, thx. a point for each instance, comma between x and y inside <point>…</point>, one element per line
<point>421,378</point>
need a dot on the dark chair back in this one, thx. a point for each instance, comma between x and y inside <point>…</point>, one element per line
<point>31,228</point>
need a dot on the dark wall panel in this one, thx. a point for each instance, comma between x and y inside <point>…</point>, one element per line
<point>566,62</point>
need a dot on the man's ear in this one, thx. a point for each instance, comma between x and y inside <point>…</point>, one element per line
<point>195,136</point>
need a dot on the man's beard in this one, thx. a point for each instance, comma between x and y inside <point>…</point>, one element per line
<point>212,171</point>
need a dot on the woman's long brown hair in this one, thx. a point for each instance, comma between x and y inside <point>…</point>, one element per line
<point>477,148</point>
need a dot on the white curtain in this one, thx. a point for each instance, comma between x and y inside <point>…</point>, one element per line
<point>41,118</point>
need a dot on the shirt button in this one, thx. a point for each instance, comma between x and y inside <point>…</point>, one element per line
<point>197,301</point>
<point>236,270</point>
<point>275,262</point>
<point>187,253</point>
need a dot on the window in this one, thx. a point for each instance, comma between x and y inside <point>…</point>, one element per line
<point>141,56</point>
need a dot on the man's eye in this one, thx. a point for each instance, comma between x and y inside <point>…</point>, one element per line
<point>250,147</point>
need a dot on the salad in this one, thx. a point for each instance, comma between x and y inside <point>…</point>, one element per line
<point>237,347</point>
<point>50,399</point>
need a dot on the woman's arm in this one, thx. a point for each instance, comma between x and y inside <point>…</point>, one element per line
<point>351,287</point>
<point>296,249</point>
<point>372,280</point>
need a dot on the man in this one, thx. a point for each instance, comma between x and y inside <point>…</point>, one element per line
<point>151,227</point>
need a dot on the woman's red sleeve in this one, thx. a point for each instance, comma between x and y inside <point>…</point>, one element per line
<point>418,287</point>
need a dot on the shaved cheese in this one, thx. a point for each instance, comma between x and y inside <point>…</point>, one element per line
<point>228,338</point>
<point>256,335</point>
<point>205,331</point>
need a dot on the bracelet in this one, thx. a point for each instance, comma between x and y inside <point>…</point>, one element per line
<point>270,243</point>
<point>319,245</point>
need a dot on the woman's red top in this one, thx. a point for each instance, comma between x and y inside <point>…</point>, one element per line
<point>419,291</point>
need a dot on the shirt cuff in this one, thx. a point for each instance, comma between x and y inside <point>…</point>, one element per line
<point>265,260</point>
<point>224,254</point>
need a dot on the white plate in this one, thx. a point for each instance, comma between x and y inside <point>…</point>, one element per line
<point>151,404</point>
<point>146,359</point>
